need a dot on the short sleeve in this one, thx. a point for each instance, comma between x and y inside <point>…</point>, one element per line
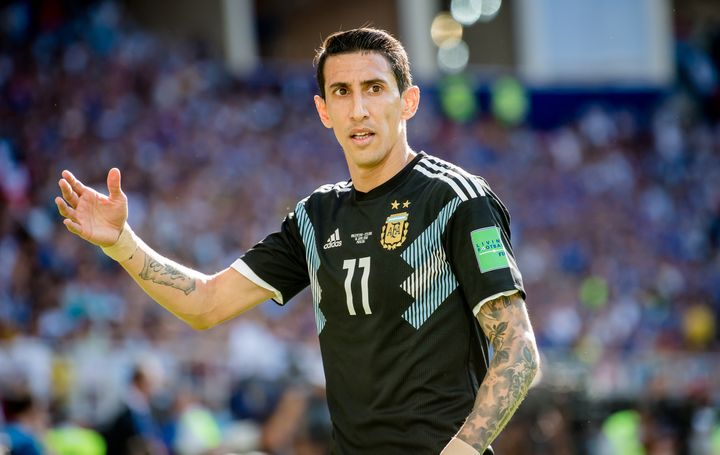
<point>477,242</point>
<point>278,262</point>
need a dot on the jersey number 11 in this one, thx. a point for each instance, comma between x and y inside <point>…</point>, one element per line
<point>349,265</point>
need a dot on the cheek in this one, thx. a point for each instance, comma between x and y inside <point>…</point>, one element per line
<point>393,119</point>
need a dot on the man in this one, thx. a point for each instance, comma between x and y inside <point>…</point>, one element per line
<point>133,429</point>
<point>409,262</point>
<point>24,420</point>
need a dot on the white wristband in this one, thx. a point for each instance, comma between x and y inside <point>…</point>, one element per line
<point>457,446</point>
<point>125,247</point>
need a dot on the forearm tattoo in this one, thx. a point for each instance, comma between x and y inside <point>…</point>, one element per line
<point>166,275</point>
<point>508,379</point>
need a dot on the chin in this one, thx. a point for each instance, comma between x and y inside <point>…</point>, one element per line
<point>367,158</point>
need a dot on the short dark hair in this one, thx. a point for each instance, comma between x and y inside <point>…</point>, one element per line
<point>365,39</point>
<point>17,403</point>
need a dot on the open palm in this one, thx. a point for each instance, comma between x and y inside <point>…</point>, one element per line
<point>91,215</point>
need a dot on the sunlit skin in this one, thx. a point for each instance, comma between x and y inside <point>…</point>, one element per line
<point>368,115</point>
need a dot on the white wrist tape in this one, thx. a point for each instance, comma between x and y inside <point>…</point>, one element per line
<point>125,247</point>
<point>457,446</point>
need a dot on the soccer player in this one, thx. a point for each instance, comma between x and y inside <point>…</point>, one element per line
<point>410,265</point>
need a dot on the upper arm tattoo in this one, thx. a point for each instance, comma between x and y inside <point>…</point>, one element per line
<point>506,324</point>
<point>495,324</point>
<point>166,275</point>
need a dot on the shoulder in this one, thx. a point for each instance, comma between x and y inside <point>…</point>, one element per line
<point>452,179</point>
<point>325,193</point>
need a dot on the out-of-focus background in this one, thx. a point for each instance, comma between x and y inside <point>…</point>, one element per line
<point>597,122</point>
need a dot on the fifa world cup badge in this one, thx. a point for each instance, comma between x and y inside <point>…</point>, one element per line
<point>394,231</point>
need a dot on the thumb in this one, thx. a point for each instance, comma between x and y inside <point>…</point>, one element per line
<point>113,183</point>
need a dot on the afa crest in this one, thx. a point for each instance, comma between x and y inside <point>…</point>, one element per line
<point>394,231</point>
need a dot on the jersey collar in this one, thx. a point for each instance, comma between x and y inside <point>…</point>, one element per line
<point>389,185</point>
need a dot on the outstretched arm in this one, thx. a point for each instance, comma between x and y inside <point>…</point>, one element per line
<point>200,300</point>
<point>514,365</point>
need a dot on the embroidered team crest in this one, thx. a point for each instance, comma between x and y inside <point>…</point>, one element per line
<point>395,230</point>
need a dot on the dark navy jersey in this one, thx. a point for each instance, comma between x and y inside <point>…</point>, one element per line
<point>397,275</point>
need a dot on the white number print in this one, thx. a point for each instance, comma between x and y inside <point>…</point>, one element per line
<point>349,265</point>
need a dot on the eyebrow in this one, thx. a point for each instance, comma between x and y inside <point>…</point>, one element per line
<point>337,85</point>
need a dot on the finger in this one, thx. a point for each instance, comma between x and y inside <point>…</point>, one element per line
<point>64,209</point>
<point>113,183</point>
<point>76,184</point>
<point>67,193</point>
<point>72,226</point>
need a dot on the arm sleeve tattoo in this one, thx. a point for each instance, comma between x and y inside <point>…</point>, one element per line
<point>511,371</point>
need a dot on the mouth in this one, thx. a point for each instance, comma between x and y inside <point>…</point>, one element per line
<point>362,137</point>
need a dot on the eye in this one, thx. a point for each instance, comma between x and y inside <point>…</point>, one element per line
<point>375,88</point>
<point>342,91</point>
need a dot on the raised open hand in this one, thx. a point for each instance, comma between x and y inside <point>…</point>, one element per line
<point>97,218</point>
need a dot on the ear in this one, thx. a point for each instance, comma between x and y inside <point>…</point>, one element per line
<point>411,101</point>
<point>322,111</point>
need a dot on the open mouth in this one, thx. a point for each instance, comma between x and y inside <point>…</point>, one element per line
<point>362,137</point>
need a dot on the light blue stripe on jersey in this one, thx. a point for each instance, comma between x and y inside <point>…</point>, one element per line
<point>432,281</point>
<point>313,260</point>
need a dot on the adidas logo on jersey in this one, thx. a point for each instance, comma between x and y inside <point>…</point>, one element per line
<point>334,240</point>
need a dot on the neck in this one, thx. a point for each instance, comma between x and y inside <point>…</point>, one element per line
<point>366,178</point>
<point>27,421</point>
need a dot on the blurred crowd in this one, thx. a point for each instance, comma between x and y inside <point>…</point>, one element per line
<point>615,219</point>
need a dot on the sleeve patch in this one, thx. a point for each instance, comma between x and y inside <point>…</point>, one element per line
<point>489,249</point>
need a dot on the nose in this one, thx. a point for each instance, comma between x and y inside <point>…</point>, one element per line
<point>359,110</point>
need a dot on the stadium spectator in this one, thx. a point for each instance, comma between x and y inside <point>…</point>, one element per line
<point>134,428</point>
<point>24,422</point>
